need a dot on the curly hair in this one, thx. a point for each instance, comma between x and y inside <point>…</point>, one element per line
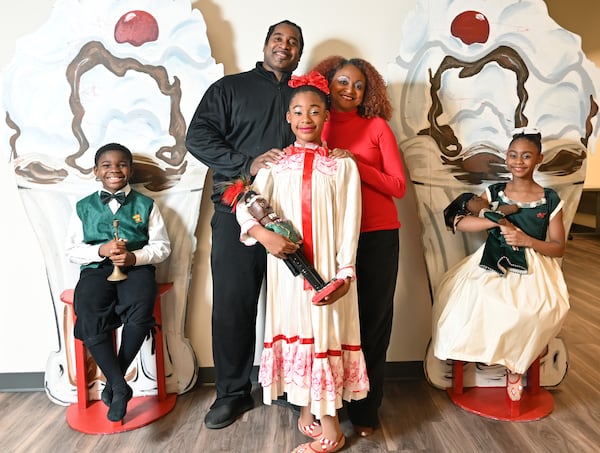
<point>375,101</point>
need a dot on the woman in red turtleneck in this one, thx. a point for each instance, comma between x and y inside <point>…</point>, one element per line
<point>360,109</point>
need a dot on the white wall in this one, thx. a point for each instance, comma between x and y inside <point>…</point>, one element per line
<point>236,29</point>
<point>582,17</point>
<point>26,304</point>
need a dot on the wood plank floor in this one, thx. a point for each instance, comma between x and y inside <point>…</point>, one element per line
<point>415,416</point>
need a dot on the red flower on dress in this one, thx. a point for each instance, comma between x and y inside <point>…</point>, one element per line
<point>313,78</point>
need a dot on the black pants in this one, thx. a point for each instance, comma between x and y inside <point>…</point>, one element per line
<point>376,271</point>
<point>102,306</point>
<point>237,272</point>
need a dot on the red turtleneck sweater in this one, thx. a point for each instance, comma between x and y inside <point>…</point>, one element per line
<point>379,164</point>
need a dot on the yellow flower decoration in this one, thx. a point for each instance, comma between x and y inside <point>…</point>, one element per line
<point>137,218</point>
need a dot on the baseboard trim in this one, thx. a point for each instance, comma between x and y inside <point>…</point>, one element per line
<point>22,382</point>
<point>410,371</point>
<point>34,382</point>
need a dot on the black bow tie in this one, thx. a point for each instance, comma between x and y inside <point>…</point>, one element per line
<point>105,197</point>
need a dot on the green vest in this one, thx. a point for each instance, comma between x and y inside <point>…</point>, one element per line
<point>97,220</point>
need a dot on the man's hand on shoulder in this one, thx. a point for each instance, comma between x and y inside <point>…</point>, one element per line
<point>266,160</point>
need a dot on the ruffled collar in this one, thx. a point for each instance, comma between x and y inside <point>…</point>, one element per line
<point>298,148</point>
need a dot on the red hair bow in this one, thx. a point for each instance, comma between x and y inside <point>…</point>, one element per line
<point>313,78</point>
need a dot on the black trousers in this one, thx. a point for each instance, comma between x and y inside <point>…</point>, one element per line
<point>237,273</point>
<point>376,271</point>
<point>102,306</point>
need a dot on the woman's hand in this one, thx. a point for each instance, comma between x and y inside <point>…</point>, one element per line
<point>341,153</point>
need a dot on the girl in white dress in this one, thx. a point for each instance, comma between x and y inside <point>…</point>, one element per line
<point>494,313</point>
<point>311,350</point>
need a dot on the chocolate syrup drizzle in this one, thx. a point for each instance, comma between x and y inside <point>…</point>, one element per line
<point>485,165</point>
<point>147,171</point>
<point>94,53</point>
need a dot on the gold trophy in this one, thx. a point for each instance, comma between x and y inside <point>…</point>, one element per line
<point>117,274</point>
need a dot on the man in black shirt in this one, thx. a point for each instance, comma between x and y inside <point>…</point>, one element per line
<point>238,128</point>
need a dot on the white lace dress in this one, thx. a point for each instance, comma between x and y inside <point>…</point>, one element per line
<point>311,352</point>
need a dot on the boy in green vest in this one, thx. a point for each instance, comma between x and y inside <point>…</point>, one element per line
<point>133,244</point>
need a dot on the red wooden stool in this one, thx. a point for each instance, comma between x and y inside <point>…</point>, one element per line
<point>89,416</point>
<point>493,402</point>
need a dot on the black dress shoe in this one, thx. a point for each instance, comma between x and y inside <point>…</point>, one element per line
<point>106,395</point>
<point>363,431</point>
<point>118,405</point>
<point>225,414</point>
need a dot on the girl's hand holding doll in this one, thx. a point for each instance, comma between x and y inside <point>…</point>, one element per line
<point>514,236</point>
<point>337,294</point>
<point>277,245</point>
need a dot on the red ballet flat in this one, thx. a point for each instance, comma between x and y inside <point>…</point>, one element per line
<point>514,386</point>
